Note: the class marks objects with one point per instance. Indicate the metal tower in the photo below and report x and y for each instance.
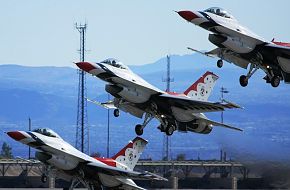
(166, 139)
(29, 129)
(223, 91)
(82, 132)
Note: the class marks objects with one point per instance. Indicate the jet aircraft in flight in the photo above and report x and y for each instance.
(71, 164)
(238, 45)
(174, 111)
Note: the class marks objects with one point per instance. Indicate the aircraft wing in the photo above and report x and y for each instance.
(208, 54)
(195, 105)
(225, 54)
(107, 105)
(278, 50)
(123, 173)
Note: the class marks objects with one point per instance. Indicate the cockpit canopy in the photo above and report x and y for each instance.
(115, 63)
(219, 11)
(46, 132)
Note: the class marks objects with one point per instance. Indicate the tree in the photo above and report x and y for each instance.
(6, 151)
(96, 154)
(180, 157)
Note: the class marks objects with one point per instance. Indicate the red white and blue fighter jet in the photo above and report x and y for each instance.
(70, 164)
(237, 44)
(174, 111)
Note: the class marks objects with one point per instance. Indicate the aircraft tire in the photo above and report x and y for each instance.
(116, 112)
(243, 81)
(275, 81)
(169, 130)
(139, 130)
(220, 63)
(43, 178)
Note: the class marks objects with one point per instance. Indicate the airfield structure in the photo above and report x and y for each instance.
(82, 131)
(166, 138)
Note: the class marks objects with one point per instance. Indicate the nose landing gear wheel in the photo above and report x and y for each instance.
(116, 112)
(243, 81)
(139, 130)
(43, 178)
(275, 81)
(169, 130)
(220, 63)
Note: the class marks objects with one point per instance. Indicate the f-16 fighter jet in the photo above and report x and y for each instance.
(132, 94)
(237, 44)
(94, 173)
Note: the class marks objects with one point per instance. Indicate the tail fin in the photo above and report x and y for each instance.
(130, 154)
(202, 88)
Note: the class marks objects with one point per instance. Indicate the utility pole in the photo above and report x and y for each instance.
(29, 129)
(166, 140)
(223, 91)
(82, 133)
(108, 131)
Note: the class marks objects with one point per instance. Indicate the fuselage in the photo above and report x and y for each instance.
(228, 31)
(122, 81)
(53, 150)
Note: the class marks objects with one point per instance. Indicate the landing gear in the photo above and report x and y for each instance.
(275, 81)
(220, 63)
(243, 81)
(169, 130)
(116, 112)
(43, 178)
(139, 128)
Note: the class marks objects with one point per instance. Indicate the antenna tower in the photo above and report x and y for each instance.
(82, 132)
(166, 139)
(223, 91)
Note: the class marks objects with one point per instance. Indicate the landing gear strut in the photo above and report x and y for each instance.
(244, 79)
(139, 128)
(220, 63)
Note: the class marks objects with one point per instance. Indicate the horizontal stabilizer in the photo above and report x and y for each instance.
(118, 172)
(231, 104)
(215, 123)
(107, 105)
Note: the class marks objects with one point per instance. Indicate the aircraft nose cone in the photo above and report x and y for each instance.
(187, 15)
(86, 66)
(16, 135)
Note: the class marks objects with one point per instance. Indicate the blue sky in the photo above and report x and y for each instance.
(41, 32)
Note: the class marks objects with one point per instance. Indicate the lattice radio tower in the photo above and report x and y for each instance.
(166, 139)
(82, 132)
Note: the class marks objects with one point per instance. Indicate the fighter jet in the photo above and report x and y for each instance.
(237, 44)
(92, 172)
(174, 111)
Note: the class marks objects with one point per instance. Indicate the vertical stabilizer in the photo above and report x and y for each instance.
(203, 87)
(130, 154)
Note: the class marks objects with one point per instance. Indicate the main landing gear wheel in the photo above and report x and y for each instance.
(243, 81)
(220, 63)
(139, 130)
(275, 81)
(169, 130)
(116, 112)
(43, 178)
